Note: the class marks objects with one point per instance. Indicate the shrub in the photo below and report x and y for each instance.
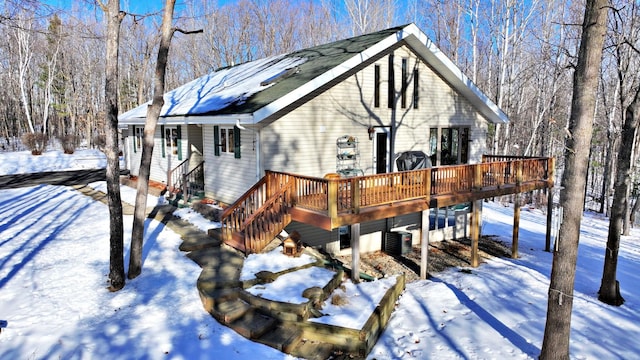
(69, 143)
(339, 300)
(36, 142)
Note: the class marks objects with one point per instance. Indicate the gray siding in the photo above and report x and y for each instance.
(227, 178)
(303, 141)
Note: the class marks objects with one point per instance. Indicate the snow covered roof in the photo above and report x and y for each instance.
(255, 90)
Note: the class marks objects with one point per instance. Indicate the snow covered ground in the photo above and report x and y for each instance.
(54, 261)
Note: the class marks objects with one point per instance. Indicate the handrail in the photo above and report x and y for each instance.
(233, 207)
(260, 228)
(496, 158)
(260, 211)
(193, 180)
(174, 177)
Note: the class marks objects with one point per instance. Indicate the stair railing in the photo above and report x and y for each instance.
(174, 176)
(259, 214)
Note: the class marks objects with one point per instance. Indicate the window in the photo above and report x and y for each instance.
(405, 79)
(171, 140)
(227, 140)
(416, 89)
(391, 96)
(449, 146)
(376, 86)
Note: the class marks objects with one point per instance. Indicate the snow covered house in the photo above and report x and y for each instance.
(349, 108)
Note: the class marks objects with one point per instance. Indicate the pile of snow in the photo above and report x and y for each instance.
(358, 301)
(289, 287)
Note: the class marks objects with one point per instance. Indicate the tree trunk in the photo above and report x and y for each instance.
(116, 258)
(153, 113)
(609, 288)
(557, 330)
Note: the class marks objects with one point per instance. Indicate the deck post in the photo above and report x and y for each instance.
(355, 253)
(424, 245)
(475, 232)
(550, 176)
(332, 195)
(516, 226)
(355, 195)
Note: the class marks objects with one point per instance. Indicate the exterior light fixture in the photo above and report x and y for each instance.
(371, 130)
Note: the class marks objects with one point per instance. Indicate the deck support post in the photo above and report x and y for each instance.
(475, 231)
(516, 226)
(446, 217)
(355, 253)
(547, 243)
(550, 179)
(424, 245)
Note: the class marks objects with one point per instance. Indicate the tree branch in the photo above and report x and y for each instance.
(187, 32)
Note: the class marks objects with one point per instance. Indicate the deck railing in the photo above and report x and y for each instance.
(352, 194)
(262, 212)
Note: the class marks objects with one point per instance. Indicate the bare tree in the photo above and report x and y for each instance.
(113, 17)
(625, 32)
(23, 38)
(557, 330)
(369, 15)
(153, 113)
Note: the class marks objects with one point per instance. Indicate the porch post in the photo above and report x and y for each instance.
(475, 232)
(424, 245)
(516, 226)
(355, 253)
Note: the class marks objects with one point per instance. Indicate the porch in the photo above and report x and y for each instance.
(278, 198)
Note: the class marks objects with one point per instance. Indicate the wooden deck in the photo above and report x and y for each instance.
(330, 202)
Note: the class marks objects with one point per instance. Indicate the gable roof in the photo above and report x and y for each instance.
(255, 90)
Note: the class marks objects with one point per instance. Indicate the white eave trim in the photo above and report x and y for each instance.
(244, 119)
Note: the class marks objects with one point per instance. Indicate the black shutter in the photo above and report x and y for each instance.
(216, 140)
(162, 140)
(236, 142)
(179, 134)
